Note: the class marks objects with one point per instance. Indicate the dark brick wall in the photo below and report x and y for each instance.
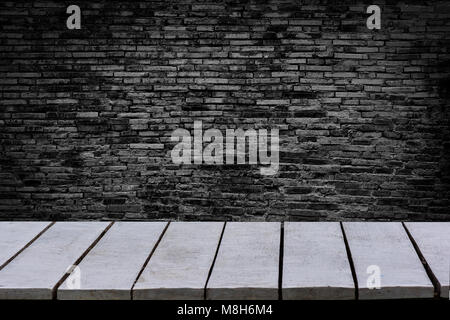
(86, 115)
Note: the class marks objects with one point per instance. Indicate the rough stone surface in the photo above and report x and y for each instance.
(86, 115)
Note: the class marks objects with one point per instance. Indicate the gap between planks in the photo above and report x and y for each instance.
(214, 260)
(27, 245)
(148, 259)
(430, 273)
(350, 261)
(77, 262)
(426, 266)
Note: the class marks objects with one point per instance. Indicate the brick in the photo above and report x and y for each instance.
(146, 146)
(86, 115)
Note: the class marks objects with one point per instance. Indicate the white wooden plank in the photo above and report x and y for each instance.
(179, 267)
(14, 236)
(386, 246)
(315, 262)
(34, 272)
(111, 267)
(433, 240)
(247, 263)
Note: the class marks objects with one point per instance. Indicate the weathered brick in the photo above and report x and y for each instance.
(86, 115)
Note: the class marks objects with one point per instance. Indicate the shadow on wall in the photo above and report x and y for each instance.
(363, 115)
